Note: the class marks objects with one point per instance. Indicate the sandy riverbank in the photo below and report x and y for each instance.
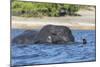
(85, 22)
(37, 25)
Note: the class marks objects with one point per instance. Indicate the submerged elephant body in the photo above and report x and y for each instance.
(48, 34)
(27, 37)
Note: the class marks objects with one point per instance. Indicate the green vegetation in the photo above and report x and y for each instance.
(34, 9)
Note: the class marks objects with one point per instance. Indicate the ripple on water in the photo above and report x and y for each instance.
(46, 53)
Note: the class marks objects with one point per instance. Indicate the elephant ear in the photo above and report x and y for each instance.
(43, 35)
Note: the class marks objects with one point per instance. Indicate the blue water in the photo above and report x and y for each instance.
(33, 54)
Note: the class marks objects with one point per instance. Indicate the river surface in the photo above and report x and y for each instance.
(34, 54)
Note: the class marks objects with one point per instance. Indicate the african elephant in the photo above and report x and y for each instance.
(53, 34)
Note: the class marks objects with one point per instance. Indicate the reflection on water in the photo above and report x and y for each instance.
(31, 54)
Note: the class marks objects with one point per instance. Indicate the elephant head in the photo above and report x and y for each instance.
(54, 34)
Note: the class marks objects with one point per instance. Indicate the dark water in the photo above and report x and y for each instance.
(33, 54)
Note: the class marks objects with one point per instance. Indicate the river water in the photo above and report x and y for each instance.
(34, 54)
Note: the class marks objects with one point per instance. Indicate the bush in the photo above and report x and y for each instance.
(33, 9)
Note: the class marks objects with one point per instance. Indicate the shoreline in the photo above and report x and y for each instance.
(39, 25)
(84, 22)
